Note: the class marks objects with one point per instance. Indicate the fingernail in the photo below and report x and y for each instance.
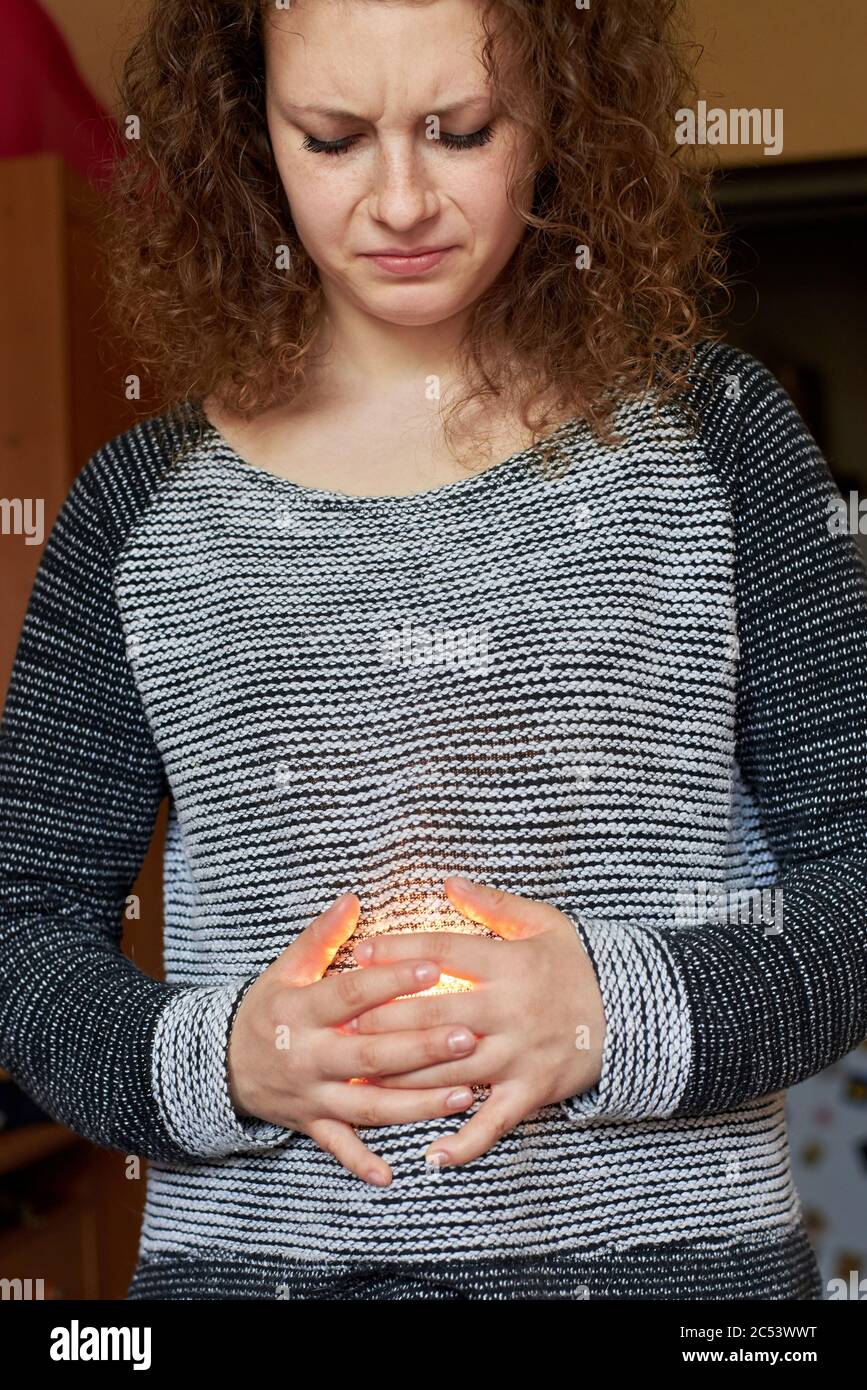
(462, 882)
(375, 1176)
(458, 1099)
(364, 950)
(459, 1040)
(351, 1026)
(427, 973)
(436, 1158)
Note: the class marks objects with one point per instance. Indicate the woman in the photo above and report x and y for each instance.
(474, 605)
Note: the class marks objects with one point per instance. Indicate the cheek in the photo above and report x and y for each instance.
(318, 200)
(486, 209)
(322, 199)
(479, 188)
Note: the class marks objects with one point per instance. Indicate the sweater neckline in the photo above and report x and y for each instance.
(220, 448)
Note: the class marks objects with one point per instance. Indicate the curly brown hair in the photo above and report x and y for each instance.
(197, 210)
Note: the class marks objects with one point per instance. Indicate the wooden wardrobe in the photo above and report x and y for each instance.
(69, 1214)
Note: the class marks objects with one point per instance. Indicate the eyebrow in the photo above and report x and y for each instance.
(340, 113)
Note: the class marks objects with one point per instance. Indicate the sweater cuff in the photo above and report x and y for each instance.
(648, 1038)
(191, 1076)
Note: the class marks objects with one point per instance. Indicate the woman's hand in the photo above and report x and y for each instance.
(291, 1062)
(535, 1005)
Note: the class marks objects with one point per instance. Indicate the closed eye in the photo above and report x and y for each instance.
(450, 142)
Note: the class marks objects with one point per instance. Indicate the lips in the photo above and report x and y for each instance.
(415, 262)
(396, 251)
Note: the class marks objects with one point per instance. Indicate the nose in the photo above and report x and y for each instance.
(402, 192)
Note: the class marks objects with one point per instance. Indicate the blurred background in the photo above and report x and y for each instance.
(69, 1212)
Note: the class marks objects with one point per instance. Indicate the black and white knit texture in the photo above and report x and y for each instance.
(667, 695)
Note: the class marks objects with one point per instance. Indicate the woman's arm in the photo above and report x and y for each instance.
(706, 1017)
(123, 1059)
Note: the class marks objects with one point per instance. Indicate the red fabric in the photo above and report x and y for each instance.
(45, 105)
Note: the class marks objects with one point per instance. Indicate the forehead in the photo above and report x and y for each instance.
(374, 53)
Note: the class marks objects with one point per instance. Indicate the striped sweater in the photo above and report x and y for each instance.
(633, 686)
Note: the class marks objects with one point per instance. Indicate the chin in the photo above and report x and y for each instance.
(413, 317)
(416, 306)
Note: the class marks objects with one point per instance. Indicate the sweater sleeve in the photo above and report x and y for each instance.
(126, 1061)
(718, 1012)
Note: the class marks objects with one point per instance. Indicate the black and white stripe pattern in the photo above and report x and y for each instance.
(663, 684)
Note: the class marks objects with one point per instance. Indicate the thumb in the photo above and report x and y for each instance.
(308, 957)
(507, 914)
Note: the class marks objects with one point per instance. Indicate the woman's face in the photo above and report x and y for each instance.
(402, 73)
